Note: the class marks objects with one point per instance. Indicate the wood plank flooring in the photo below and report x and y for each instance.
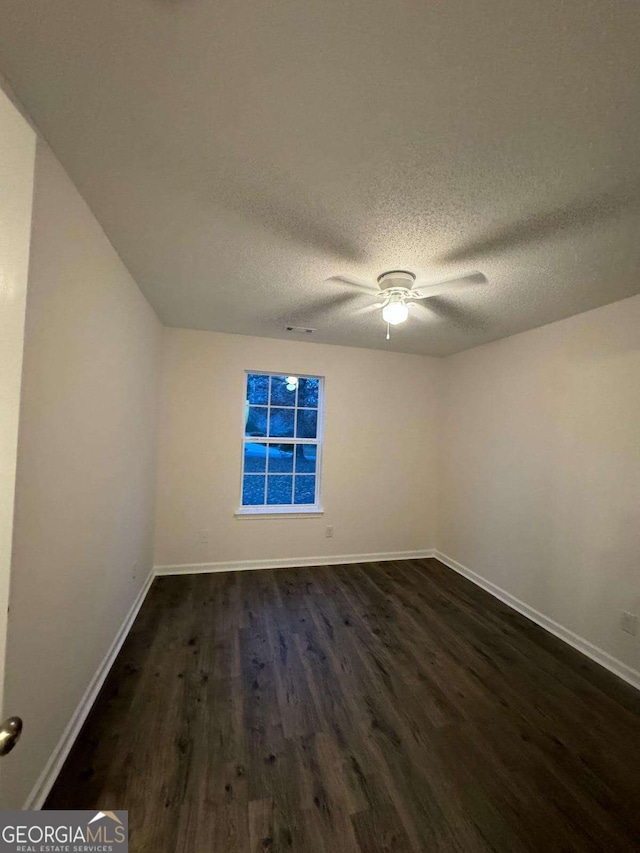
(380, 707)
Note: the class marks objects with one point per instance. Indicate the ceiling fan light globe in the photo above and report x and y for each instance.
(395, 313)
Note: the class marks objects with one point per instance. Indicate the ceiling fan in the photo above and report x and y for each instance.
(398, 289)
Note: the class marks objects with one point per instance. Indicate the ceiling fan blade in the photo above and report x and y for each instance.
(368, 309)
(354, 282)
(326, 307)
(420, 312)
(452, 313)
(449, 286)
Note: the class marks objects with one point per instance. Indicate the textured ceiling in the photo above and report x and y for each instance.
(240, 152)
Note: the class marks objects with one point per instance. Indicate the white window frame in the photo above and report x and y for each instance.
(289, 510)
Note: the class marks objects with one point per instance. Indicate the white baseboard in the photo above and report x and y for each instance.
(617, 667)
(41, 789)
(289, 563)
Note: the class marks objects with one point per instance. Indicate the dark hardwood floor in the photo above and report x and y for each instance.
(380, 707)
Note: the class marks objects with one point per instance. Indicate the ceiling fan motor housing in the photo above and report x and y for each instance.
(396, 280)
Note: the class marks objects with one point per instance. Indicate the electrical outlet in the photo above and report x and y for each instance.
(328, 532)
(629, 623)
(134, 569)
(203, 537)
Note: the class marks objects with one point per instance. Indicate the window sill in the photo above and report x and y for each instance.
(274, 512)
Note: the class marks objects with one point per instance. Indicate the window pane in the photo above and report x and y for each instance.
(305, 490)
(307, 423)
(255, 457)
(253, 490)
(258, 389)
(308, 392)
(306, 458)
(281, 423)
(256, 421)
(283, 393)
(279, 489)
(281, 458)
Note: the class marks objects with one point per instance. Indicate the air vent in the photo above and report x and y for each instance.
(300, 330)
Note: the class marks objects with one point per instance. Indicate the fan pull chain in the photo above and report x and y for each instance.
(388, 335)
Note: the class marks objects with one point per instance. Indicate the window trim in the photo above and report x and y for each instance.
(284, 510)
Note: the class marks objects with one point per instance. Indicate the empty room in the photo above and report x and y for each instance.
(319, 426)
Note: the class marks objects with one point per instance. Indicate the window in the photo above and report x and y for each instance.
(282, 443)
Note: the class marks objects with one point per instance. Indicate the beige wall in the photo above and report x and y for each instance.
(379, 464)
(86, 467)
(534, 480)
(17, 154)
(540, 470)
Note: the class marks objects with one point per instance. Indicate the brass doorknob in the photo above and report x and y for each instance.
(10, 732)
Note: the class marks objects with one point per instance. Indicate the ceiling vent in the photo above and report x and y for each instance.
(300, 330)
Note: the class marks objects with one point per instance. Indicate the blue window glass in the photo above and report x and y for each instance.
(257, 389)
(281, 423)
(279, 488)
(253, 490)
(281, 458)
(255, 457)
(308, 392)
(306, 458)
(307, 423)
(280, 461)
(283, 391)
(256, 421)
(305, 490)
